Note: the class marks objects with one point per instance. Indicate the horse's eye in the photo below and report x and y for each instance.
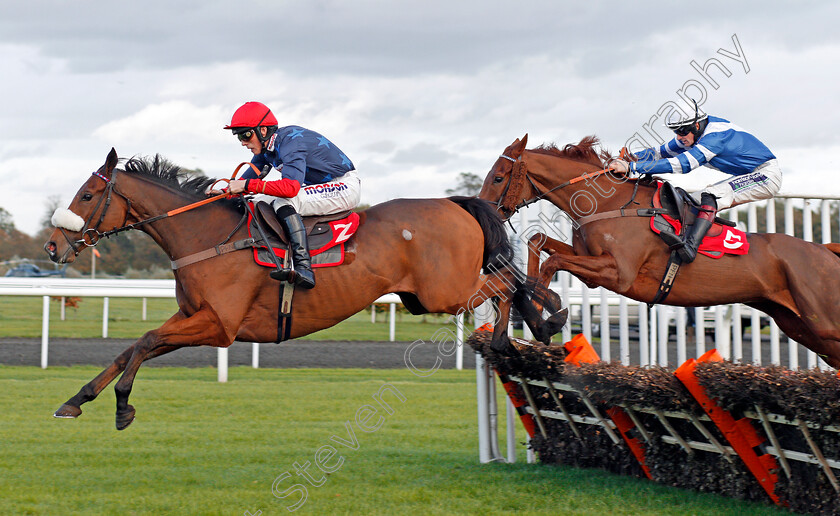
(86, 197)
(498, 179)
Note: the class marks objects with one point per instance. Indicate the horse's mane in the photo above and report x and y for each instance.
(585, 151)
(161, 171)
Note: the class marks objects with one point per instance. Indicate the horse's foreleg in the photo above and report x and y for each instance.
(72, 407)
(540, 242)
(500, 341)
(200, 329)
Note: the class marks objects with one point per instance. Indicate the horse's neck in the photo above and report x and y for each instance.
(190, 231)
(598, 195)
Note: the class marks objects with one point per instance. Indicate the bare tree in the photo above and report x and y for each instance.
(50, 205)
(6, 222)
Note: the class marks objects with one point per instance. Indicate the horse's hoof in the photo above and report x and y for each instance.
(556, 322)
(68, 412)
(504, 347)
(125, 418)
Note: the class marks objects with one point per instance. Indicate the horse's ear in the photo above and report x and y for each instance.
(518, 146)
(111, 162)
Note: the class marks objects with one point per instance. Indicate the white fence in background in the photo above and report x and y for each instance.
(107, 288)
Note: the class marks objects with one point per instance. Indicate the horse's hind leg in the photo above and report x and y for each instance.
(201, 329)
(827, 346)
(72, 407)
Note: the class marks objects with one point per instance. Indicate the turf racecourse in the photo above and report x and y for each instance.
(201, 447)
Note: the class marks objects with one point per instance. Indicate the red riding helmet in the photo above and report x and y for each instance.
(251, 115)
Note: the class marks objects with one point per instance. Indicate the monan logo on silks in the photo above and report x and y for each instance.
(270, 145)
(732, 241)
(327, 188)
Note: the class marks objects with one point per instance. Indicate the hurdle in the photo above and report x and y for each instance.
(703, 426)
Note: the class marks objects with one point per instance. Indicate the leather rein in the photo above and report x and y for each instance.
(621, 212)
(91, 236)
(540, 194)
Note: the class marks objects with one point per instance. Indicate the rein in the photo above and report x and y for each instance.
(541, 195)
(93, 233)
(621, 212)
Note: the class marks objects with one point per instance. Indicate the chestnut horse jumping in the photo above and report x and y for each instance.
(429, 251)
(795, 282)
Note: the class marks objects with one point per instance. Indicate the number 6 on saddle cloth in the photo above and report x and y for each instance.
(327, 235)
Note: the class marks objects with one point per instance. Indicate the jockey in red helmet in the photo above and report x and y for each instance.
(316, 178)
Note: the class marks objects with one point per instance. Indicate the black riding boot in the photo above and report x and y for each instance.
(702, 223)
(299, 247)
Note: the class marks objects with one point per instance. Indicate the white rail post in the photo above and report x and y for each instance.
(255, 355)
(700, 331)
(737, 341)
(808, 235)
(586, 312)
(775, 347)
(793, 346)
(664, 320)
(105, 303)
(392, 330)
(755, 336)
(222, 359)
(722, 335)
(45, 331)
(825, 213)
(459, 341)
(564, 293)
(144, 309)
(653, 333)
(623, 331)
(681, 351)
(644, 335)
(605, 326)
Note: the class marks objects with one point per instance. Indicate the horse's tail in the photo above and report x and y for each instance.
(530, 297)
(498, 251)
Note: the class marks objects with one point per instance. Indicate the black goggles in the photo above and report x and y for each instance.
(244, 136)
(684, 130)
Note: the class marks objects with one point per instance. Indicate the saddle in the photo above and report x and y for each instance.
(681, 210)
(326, 234)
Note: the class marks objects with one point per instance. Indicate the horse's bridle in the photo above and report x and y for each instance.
(521, 163)
(92, 235)
(95, 235)
(540, 195)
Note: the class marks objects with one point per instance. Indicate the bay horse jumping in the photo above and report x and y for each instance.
(429, 251)
(795, 282)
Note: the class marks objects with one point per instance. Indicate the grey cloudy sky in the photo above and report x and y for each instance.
(413, 92)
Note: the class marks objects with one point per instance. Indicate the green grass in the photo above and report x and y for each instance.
(201, 447)
(20, 316)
